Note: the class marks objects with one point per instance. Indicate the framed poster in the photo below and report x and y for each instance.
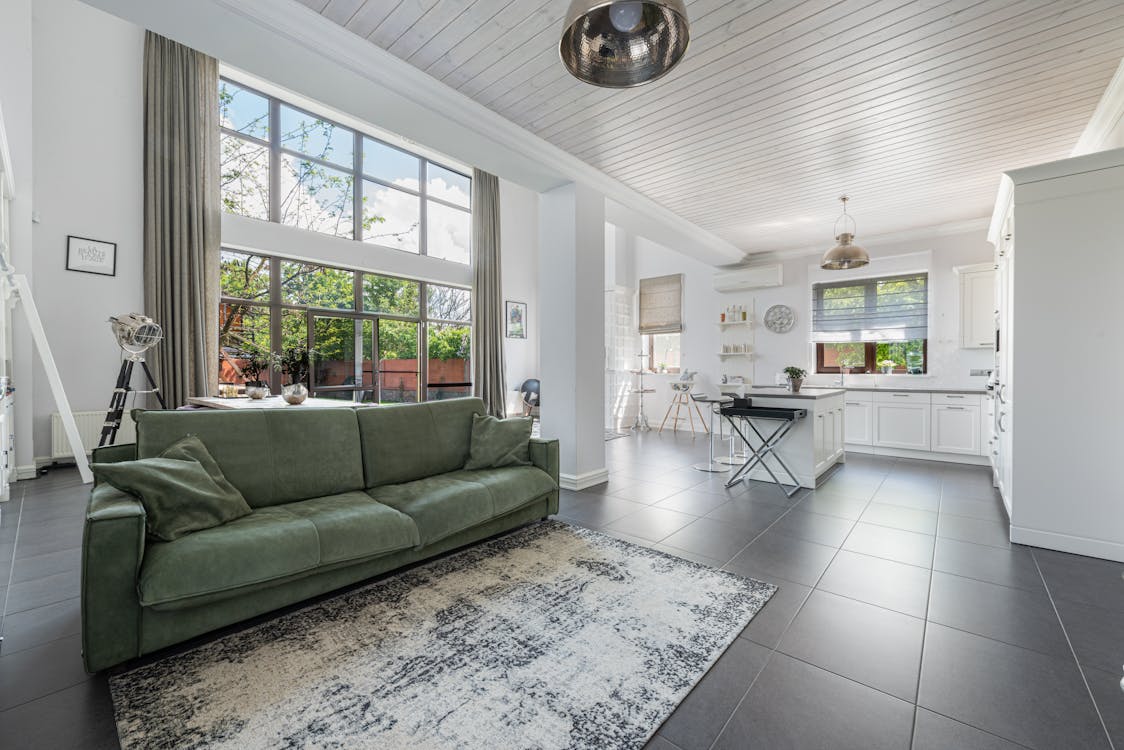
(516, 316)
(91, 256)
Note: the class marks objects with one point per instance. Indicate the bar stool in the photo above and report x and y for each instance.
(712, 402)
(680, 397)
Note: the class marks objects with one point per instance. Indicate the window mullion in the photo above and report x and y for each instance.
(274, 160)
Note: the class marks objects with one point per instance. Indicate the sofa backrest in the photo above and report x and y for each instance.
(404, 442)
(272, 456)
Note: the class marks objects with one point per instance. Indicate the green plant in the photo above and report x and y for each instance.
(295, 363)
(795, 373)
(257, 364)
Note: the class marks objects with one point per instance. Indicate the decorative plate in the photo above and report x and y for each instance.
(779, 318)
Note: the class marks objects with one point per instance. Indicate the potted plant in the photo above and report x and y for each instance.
(257, 364)
(795, 378)
(294, 364)
(887, 366)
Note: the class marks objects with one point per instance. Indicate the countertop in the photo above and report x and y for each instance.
(874, 389)
(767, 391)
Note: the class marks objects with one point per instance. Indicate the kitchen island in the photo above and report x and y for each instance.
(815, 443)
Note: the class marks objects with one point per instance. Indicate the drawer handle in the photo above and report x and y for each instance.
(1002, 427)
(953, 396)
(955, 408)
(854, 403)
(900, 395)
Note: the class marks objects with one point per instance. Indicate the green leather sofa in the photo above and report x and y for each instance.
(339, 495)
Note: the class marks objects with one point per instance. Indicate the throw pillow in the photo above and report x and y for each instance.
(499, 442)
(182, 490)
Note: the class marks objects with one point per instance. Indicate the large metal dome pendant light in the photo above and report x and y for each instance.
(846, 254)
(622, 43)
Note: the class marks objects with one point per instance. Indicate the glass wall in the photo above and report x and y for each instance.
(365, 329)
(280, 163)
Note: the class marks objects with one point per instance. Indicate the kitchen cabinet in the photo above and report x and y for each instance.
(956, 429)
(859, 419)
(1056, 230)
(828, 436)
(901, 420)
(977, 306)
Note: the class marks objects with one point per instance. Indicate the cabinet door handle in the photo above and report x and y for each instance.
(1000, 392)
(984, 343)
(1002, 427)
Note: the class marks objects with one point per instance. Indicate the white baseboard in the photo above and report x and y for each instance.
(27, 471)
(1076, 545)
(582, 481)
(955, 458)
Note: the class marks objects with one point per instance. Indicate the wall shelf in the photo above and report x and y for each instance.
(735, 354)
(732, 323)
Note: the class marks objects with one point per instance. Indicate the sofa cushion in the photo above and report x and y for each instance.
(272, 456)
(354, 525)
(496, 443)
(405, 442)
(511, 487)
(269, 543)
(439, 506)
(183, 490)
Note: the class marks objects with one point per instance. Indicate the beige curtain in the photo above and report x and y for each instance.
(181, 215)
(488, 376)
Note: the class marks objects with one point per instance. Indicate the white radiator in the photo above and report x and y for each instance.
(89, 429)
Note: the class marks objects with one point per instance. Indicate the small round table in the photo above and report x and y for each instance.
(712, 401)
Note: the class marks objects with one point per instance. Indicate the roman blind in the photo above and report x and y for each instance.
(890, 308)
(661, 304)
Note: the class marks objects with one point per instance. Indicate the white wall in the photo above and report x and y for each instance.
(519, 244)
(88, 173)
(948, 363)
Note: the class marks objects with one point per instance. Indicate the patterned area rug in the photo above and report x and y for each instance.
(551, 637)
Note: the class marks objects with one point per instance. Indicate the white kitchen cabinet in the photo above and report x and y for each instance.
(977, 306)
(901, 420)
(956, 429)
(859, 421)
(829, 436)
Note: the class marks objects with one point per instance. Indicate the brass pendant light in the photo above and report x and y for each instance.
(846, 254)
(623, 43)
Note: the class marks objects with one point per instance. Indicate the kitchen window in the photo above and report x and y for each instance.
(872, 325)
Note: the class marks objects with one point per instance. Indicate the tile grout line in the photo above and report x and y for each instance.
(11, 568)
(925, 625)
(1073, 652)
(813, 589)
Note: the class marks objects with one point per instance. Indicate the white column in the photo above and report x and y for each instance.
(572, 329)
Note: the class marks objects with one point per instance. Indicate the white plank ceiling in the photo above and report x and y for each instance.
(913, 108)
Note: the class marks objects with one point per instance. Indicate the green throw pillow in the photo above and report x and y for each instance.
(499, 442)
(183, 490)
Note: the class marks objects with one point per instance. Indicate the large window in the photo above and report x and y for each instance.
(283, 164)
(367, 329)
(872, 325)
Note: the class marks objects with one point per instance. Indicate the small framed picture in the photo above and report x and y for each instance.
(91, 256)
(516, 315)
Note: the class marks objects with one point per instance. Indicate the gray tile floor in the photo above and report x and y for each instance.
(904, 618)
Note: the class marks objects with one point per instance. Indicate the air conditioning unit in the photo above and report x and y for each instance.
(753, 277)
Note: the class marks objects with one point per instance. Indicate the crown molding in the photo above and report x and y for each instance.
(1107, 115)
(302, 26)
(906, 235)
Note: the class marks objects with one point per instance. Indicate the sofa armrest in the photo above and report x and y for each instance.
(111, 454)
(544, 454)
(112, 550)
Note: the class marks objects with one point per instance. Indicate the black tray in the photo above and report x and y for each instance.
(764, 412)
